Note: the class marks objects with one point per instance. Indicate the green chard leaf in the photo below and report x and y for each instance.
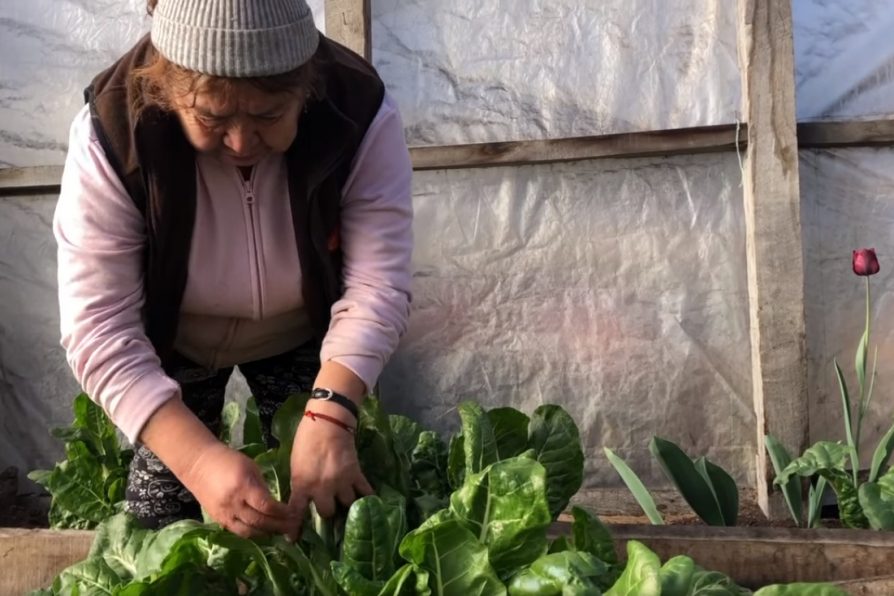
(641, 576)
(568, 573)
(373, 533)
(590, 535)
(510, 431)
(556, 442)
(505, 508)
(479, 443)
(457, 563)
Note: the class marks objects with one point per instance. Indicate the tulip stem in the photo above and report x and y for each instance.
(865, 396)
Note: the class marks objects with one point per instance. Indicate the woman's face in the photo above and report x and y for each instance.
(242, 128)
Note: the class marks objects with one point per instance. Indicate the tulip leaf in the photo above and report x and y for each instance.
(877, 501)
(882, 454)
(791, 490)
(725, 491)
(639, 491)
(815, 501)
(848, 424)
(682, 471)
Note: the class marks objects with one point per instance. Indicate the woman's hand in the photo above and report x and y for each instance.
(325, 468)
(231, 489)
(226, 483)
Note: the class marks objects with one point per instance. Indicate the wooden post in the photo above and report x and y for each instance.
(773, 235)
(349, 23)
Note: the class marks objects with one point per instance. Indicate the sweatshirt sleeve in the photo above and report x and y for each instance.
(100, 236)
(377, 244)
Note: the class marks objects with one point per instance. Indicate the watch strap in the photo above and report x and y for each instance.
(325, 394)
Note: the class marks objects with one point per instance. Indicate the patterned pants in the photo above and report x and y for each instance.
(154, 495)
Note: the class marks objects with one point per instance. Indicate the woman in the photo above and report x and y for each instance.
(236, 192)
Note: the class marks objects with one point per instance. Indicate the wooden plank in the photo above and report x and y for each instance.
(812, 135)
(773, 236)
(829, 135)
(349, 23)
(30, 559)
(703, 139)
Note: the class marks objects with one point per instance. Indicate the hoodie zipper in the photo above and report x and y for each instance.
(254, 253)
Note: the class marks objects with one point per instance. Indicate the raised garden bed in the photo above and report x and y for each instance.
(859, 559)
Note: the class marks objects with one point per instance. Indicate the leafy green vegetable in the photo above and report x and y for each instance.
(510, 431)
(568, 573)
(455, 560)
(877, 501)
(555, 439)
(88, 486)
(641, 576)
(505, 508)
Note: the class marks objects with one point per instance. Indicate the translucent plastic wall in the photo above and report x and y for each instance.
(845, 71)
(615, 288)
(470, 71)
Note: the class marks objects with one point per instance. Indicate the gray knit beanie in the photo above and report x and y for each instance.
(235, 38)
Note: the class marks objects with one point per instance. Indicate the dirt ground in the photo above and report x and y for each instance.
(20, 511)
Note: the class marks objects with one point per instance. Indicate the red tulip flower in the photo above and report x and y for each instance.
(865, 262)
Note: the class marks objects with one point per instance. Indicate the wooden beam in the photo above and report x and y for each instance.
(773, 236)
(830, 135)
(705, 139)
(33, 180)
(349, 23)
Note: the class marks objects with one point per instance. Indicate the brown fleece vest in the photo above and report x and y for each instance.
(156, 164)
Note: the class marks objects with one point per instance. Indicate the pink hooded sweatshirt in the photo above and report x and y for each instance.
(243, 298)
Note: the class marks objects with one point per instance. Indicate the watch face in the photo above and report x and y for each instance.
(321, 394)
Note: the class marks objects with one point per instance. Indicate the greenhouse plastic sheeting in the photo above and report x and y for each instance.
(614, 288)
(844, 59)
(848, 203)
(49, 52)
(36, 386)
(470, 71)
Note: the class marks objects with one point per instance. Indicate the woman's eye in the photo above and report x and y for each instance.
(270, 117)
(209, 121)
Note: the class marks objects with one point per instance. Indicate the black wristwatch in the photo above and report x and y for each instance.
(338, 398)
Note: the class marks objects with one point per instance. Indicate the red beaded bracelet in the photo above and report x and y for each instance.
(314, 415)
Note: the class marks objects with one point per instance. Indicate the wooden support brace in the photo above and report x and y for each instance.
(773, 235)
(349, 23)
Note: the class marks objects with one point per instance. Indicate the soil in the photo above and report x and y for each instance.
(21, 510)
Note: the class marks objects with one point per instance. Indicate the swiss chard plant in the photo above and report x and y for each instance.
(88, 486)
(706, 487)
(468, 516)
(861, 503)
